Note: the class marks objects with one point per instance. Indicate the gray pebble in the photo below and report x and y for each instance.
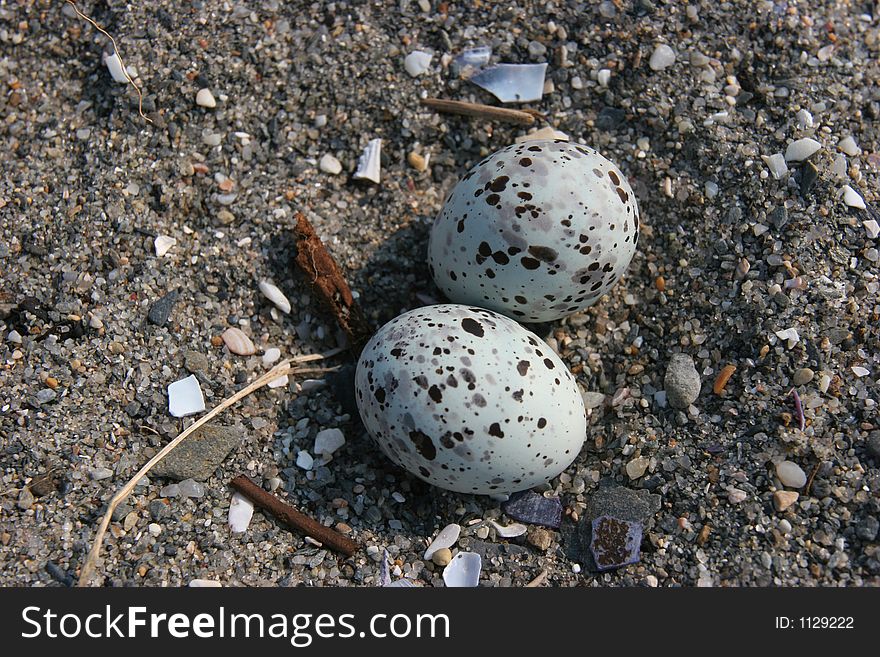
(682, 381)
(195, 362)
(200, 454)
(803, 376)
(161, 309)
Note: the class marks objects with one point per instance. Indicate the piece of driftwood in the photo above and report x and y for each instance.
(521, 117)
(329, 284)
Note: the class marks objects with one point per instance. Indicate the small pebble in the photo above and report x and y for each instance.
(636, 468)
(782, 499)
(872, 227)
(852, 198)
(204, 98)
(275, 295)
(163, 244)
(848, 145)
(191, 488)
(442, 557)
(237, 342)
(662, 57)
(682, 382)
(791, 474)
(540, 538)
(305, 460)
(100, 473)
(801, 149)
(736, 495)
(271, 355)
(417, 62)
(803, 376)
(776, 164)
(417, 162)
(329, 164)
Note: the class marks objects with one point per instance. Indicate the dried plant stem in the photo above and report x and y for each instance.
(119, 55)
(521, 117)
(284, 367)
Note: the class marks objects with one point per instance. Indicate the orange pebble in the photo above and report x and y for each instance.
(723, 377)
(660, 283)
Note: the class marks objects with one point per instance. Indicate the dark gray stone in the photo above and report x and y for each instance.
(534, 509)
(874, 444)
(161, 309)
(199, 455)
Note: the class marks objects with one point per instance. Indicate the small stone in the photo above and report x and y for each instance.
(100, 473)
(191, 488)
(163, 245)
(874, 444)
(195, 362)
(803, 376)
(329, 164)
(872, 227)
(237, 342)
(171, 490)
(25, 499)
(271, 355)
(776, 164)
(682, 382)
(801, 149)
(328, 441)
(201, 454)
(417, 162)
(305, 460)
(529, 507)
(280, 382)
(848, 145)
(540, 538)
(204, 98)
(154, 529)
(809, 176)
(636, 468)
(852, 198)
(275, 295)
(791, 474)
(130, 521)
(442, 557)
(662, 57)
(185, 397)
(241, 510)
(839, 167)
(615, 542)
(46, 395)
(537, 50)
(603, 77)
(782, 499)
(417, 62)
(736, 495)
(160, 311)
(205, 584)
(804, 119)
(860, 371)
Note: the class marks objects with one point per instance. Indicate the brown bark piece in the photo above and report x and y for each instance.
(329, 284)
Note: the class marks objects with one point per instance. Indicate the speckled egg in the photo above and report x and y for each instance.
(469, 400)
(537, 231)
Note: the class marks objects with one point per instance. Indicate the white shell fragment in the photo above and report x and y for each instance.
(849, 146)
(872, 227)
(776, 164)
(237, 342)
(185, 397)
(204, 98)
(445, 539)
(271, 355)
(510, 531)
(463, 570)
(163, 244)
(276, 296)
(790, 335)
(241, 510)
(851, 197)
(417, 62)
(205, 584)
(281, 382)
(662, 57)
(114, 65)
(305, 460)
(328, 441)
(800, 150)
(860, 371)
(513, 83)
(369, 163)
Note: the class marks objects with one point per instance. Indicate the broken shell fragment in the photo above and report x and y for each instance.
(369, 163)
(510, 531)
(185, 397)
(237, 342)
(445, 539)
(114, 65)
(513, 83)
(463, 570)
(241, 510)
(276, 296)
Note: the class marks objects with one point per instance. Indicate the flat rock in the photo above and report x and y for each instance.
(198, 456)
(682, 381)
(161, 309)
(614, 542)
(195, 362)
(529, 507)
(791, 474)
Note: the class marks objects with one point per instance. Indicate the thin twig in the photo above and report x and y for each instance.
(521, 117)
(540, 579)
(121, 62)
(284, 367)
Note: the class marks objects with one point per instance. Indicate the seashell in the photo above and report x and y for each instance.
(163, 244)
(271, 355)
(237, 342)
(463, 570)
(114, 65)
(185, 397)
(368, 167)
(328, 441)
(241, 510)
(513, 83)
(281, 382)
(417, 62)
(205, 584)
(276, 296)
(801, 149)
(851, 197)
(445, 539)
(510, 531)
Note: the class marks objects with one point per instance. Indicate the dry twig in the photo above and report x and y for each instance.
(522, 117)
(284, 367)
(119, 55)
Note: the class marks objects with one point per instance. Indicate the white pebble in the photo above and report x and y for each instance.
(860, 371)
(204, 98)
(804, 119)
(241, 510)
(271, 355)
(205, 584)
(851, 197)
(801, 149)
(776, 164)
(114, 65)
(711, 189)
(848, 145)
(237, 342)
(276, 296)
(603, 77)
(791, 474)
(329, 164)
(872, 227)
(662, 57)
(305, 460)
(154, 529)
(328, 441)
(838, 167)
(417, 62)
(790, 335)
(281, 382)
(185, 397)
(163, 244)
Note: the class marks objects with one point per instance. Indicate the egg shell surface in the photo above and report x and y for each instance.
(470, 401)
(537, 231)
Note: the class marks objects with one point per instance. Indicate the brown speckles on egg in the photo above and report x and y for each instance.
(473, 327)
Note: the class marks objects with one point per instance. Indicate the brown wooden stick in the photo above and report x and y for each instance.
(506, 114)
(293, 518)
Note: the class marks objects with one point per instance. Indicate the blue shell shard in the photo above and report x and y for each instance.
(534, 509)
(513, 83)
(615, 542)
